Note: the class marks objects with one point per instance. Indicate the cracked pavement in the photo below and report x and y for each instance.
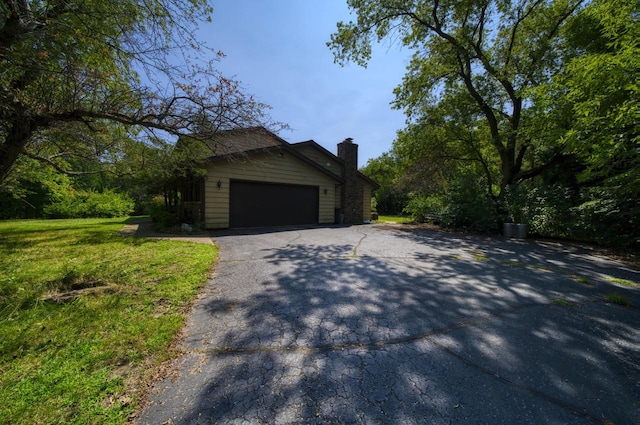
(386, 324)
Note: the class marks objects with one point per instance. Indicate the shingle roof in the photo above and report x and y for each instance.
(325, 152)
(253, 140)
(240, 141)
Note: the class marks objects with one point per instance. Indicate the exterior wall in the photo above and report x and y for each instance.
(366, 202)
(321, 159)
(267, 167)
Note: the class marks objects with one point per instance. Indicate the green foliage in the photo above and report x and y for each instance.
(425, 208)
(604, 215)
(374, 204)
(163, 216)
(471, 78)
(28, 190)
(546, 209)
(90, 79)
(623, 282)
(616, 298)
(603, 89)
(605, 218)
(524, 111)
(81, 360)
(390, 197)
(390, 200)
(467, 206)
(563, 302)
(72, 204)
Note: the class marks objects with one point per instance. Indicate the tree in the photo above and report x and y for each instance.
(602, 89)
(592, 108)
(486, 54)
(386, 170)
(448, 138)
(83, 78)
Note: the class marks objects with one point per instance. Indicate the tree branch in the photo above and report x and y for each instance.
(60, 169)
(557, 159)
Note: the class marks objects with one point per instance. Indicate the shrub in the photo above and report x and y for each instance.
(64, 205)
(74, 204)
(390, 200)
(594, 214)
(425, 208)
(374, 204)
(467, 206)
(601, 218)
(163, 217)
(545, 209)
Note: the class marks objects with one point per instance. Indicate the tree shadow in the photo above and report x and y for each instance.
(425, 336)
(557, 256)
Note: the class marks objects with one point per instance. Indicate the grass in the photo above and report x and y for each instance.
(397, 219)
(86, 315)
(583, 280)
(623, 282)
(563, 302)
(615, 298)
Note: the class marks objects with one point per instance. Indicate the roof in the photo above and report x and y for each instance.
(328, 154)
(229, 144)
(243, 140)
(319, 148)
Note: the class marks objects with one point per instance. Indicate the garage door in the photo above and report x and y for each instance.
(253, 204)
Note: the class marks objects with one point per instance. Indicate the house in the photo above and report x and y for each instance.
(257, 179)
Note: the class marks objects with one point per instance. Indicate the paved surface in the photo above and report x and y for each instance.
(387, 325)
(144, 229)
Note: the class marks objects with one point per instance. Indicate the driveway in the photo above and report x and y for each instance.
(396, 325)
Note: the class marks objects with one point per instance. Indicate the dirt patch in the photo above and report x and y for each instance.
(78, 289)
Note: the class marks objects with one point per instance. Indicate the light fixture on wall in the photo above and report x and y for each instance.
(219, 184)
(325, 191)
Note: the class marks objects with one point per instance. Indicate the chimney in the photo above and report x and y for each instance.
(352, 189)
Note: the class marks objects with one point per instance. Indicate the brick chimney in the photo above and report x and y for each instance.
(352, 189)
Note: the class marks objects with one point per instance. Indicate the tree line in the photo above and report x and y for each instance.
(522, 111)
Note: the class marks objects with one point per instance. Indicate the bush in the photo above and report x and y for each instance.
(374, 204)
(592, 214)
(163, 217)
(74, 204)
(467, 206)
(545, 209)
(604, 218)
(425, 208)
(390, 200)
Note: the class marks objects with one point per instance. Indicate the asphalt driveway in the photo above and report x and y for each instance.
(393, 325)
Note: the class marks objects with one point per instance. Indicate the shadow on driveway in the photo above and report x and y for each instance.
(410, 327)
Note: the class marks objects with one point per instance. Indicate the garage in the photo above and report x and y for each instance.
(257, 204)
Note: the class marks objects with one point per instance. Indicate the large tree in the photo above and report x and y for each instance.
(80, 77)
(473, 58)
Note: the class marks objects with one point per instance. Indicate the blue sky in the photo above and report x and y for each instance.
(277, 49)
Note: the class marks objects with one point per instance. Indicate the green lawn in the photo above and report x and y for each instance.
(398, 219)
(86, 315)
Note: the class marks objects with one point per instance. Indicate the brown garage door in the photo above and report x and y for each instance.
(253, 204)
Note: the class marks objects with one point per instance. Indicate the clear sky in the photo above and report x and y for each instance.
(277, 50)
